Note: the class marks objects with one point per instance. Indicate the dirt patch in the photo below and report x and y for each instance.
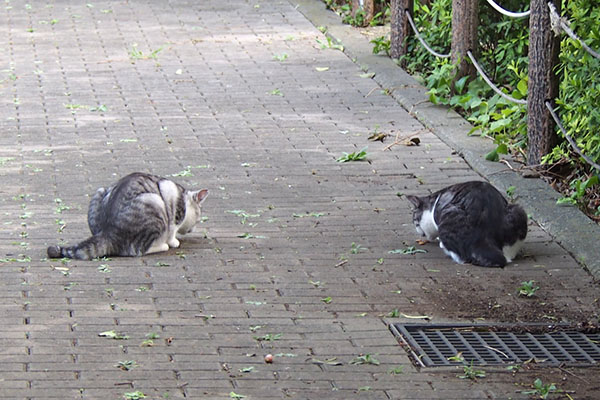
(462, 299)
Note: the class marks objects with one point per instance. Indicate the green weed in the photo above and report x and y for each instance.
(381, 45)
(137, 395)
(528, 288)
(407, 250)
(469, 372)
(365, 359)
(126, 365)
(136, 54)
(355, 156)
(540, 389)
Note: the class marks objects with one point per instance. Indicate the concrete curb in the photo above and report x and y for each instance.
(567, 225)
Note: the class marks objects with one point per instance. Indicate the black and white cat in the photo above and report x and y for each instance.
(138, 215)
(473, 222)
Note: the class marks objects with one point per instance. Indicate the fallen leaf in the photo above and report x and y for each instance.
(378, 136)
(408, 250)
(113, 335)
(412, 142)
(328, 361)
(322, 69)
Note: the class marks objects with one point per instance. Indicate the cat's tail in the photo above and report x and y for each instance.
(93, 247)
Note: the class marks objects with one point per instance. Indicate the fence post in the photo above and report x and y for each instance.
(400, 29)
(465, 18)
(544, 49)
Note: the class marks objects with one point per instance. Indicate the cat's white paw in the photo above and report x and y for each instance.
(173, 243)
(157, 248)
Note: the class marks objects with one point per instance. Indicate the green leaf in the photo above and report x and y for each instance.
(522, 87)
(113, 335)
(162, 264)
(137, 395)
(268, 337)
(355, 156)
(329, 361)
(492, 156)
(365, 359)
(280, 57)
(459, 85)
(126, 365)
(566, 201)
(100, 108)
(408, 250)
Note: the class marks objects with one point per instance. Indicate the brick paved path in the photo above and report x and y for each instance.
(293, 258)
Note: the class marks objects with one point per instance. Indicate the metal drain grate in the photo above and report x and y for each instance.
(482, 344)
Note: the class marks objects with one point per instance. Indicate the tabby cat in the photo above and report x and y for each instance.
(473, 222)
(138, 215)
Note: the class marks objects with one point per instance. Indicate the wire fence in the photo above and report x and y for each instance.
(508, 13)
(423, 42)
(558, 24)
(489, 81)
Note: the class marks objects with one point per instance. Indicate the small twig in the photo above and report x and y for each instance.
(389, 91)
(510, 167)
(124, 384)
(500, 171)
(508, 164)
(496, 350)
(341, 263)
(418, 103)
(395, 143)
(371, 91)
(403, 139)
(572, 374)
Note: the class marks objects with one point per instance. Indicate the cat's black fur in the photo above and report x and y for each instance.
(473, 221)
(140, 214)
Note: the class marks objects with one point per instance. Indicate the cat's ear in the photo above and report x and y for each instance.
(414, 200)
(200, 195)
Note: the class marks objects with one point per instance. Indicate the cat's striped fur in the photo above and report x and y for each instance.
(140, 214)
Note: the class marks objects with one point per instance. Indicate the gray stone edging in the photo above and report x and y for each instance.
(567, 225)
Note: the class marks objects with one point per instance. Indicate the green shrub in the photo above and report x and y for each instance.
(579, 98)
